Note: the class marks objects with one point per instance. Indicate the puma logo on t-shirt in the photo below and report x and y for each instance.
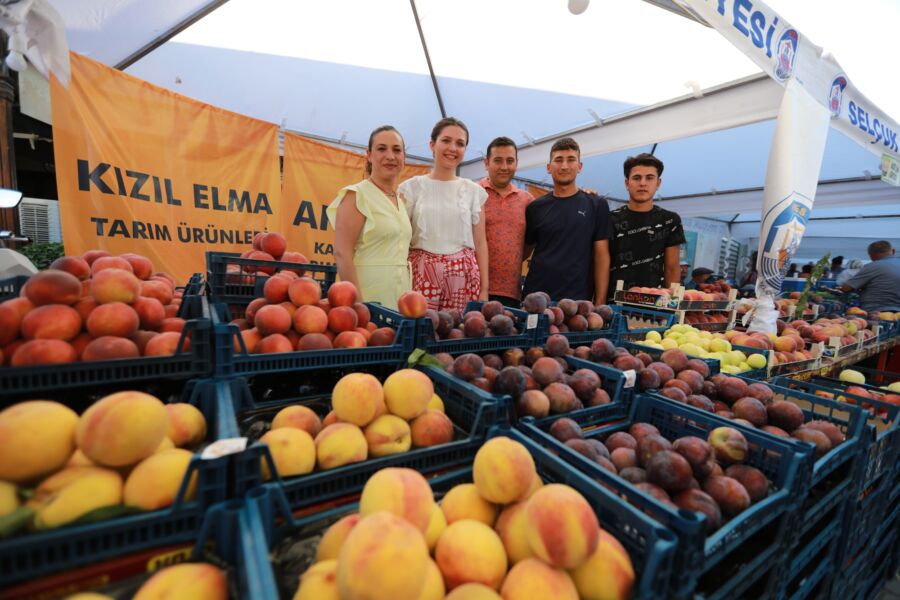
(582, 213)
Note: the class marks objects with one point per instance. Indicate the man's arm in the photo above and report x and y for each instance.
(859, 280)
(601, 270)
(672, 268)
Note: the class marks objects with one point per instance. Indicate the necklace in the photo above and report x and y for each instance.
(383, 191)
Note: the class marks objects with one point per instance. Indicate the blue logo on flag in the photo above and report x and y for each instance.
(782, 238)
(786, 51)
(836, 96)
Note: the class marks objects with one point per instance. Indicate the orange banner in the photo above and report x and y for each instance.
(142, 169)
(313, 174)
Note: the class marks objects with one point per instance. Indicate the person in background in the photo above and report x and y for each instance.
(698, 276)
(852, 269)
(449, 253)
(504, 216)
(371, 227)
(806, 271)
(878, 283)
(568, 230)
(749, 278)
(836, 267)
(684, 270)
(646, 240)
(792, 271)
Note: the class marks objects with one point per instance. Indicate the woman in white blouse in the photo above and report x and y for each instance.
(448, 252)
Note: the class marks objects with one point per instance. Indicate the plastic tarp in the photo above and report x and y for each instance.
(527, 69)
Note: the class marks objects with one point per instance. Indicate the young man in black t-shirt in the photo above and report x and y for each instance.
(646, 238)
(569, 232)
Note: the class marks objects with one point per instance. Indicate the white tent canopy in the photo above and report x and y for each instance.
(624, 77)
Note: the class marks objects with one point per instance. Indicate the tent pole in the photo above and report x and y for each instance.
(9, 217)
(437, 91)
(168, 35)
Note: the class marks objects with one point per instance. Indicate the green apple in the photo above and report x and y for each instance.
(653, 336)
(895, 387)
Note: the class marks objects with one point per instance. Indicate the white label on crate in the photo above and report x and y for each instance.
(221, 448)
(531, 322)
(630, 377)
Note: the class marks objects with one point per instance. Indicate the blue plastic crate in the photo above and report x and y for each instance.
(533, 332)
(747, 549)
(650, 546)
(34, 555)
(881, 440)
(229, 363)
(240, 285)
(20, 382)
(812, 563)
(11, 286)
(874, 379)
(472, 411)
(654, 320)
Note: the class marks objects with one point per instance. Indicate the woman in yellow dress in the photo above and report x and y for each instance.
(371, 227)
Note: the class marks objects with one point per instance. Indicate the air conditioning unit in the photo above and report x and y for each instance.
(39, 220)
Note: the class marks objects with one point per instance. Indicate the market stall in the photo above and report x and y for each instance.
(224, 417)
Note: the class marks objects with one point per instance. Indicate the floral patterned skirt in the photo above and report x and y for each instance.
(447, 281)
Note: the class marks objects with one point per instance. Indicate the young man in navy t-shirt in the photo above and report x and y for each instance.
(569, 231)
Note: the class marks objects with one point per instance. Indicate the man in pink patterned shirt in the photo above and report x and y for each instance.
(504, 212)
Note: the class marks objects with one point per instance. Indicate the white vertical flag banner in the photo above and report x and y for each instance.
(791, 179)
(785, 54)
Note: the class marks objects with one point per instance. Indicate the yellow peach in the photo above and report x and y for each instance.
(561, 526)
(121, 429)
(187, 425)
(511, 528)
(37, 437)
(503, 470)
(533, 578)
(72, 493)
(464, 502)
(334, 536)
(608, 574)
(356, 398)
(155, 481)
(436, 526)
(340, 444)
(407, 393)
(471, 552)
(388, 435)
(299, 417)
(292, 450)
(383, 557)
(434, 583)
(194, 581)
(473, 591)
(399, 491)
(319, 582)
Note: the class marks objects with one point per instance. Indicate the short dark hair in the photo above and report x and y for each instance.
(447, 122)
(500, 142)
(643, 160)
(837, 260)
(880, 247)
(565, 143)
(372, 135)
(807, 268)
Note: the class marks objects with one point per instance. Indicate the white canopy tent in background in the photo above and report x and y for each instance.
(624, 75)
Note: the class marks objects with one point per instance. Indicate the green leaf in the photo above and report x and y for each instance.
(420, 357)
(15, 521)
(106, 512)
(816, 274)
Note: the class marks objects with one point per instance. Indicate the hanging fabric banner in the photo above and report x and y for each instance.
(785, 54)
(791, 179)
(314, 172)
(145, 170)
